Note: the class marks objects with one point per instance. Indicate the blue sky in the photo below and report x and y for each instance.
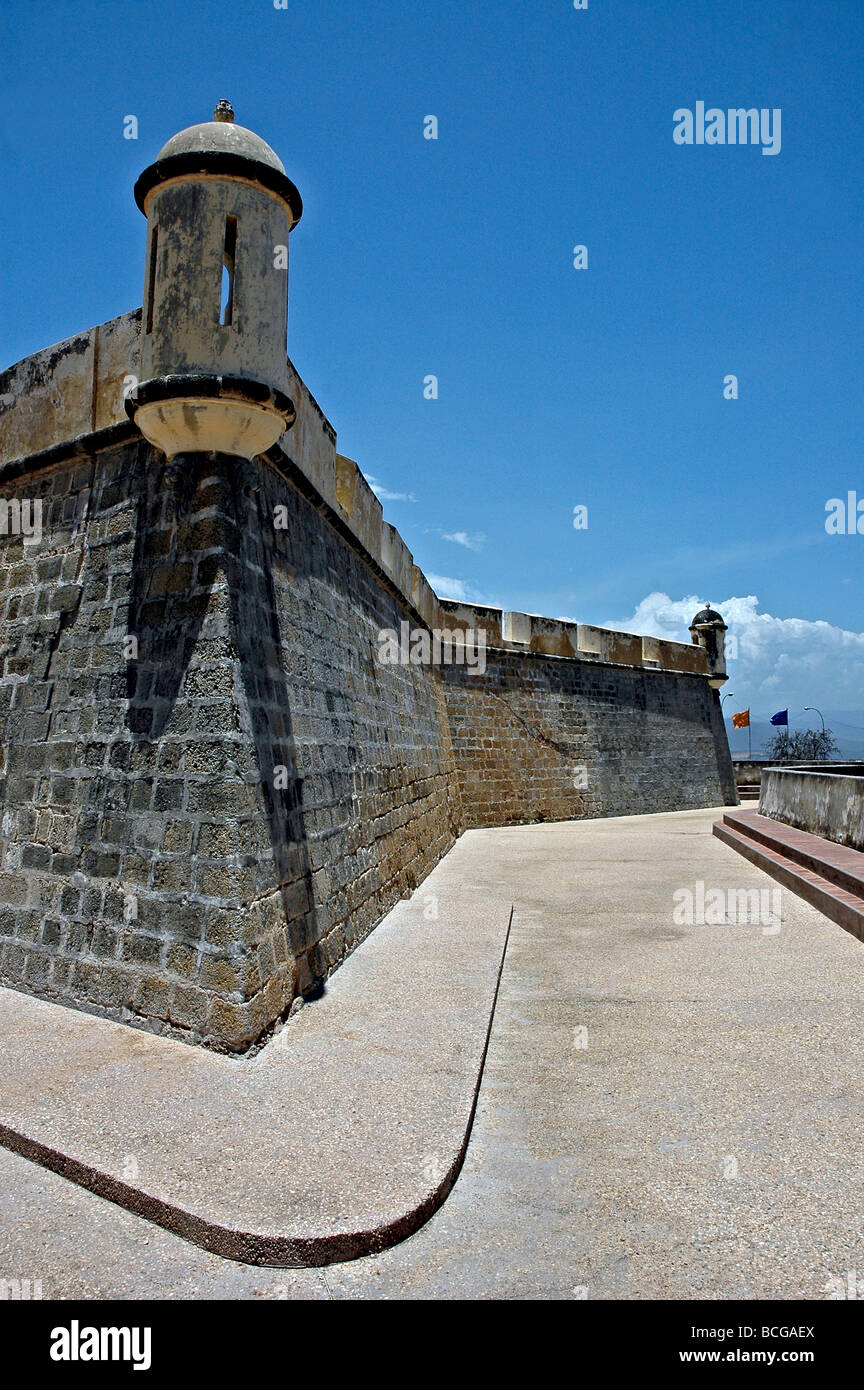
(558, 387)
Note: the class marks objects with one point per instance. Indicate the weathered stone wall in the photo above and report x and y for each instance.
(826, 801)
(191, 836)
(543, 738)
(195, 831)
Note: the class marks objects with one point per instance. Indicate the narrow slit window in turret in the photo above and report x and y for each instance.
(226, 315)
(151, 283)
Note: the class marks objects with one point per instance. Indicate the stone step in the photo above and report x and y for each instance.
(838, 863)
(828, 876)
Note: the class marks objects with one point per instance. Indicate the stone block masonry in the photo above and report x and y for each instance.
(544, 739)
(210, 789)
(199, 827)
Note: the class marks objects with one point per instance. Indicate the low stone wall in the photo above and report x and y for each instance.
(830, 804)
(750, 769)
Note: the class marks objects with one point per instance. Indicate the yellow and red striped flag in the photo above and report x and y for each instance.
(742, 720)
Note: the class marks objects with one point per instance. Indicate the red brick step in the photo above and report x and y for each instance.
(827, 875)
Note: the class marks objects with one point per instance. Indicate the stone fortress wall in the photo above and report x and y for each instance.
(194, 833)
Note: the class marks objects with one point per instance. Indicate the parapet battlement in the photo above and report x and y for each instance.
(70, 399)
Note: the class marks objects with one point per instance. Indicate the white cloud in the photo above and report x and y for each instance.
(470, 542)
(452, 588)
(793, 661)
(384, 494)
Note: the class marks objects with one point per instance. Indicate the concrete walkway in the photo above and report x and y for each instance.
(668, 1109)
(339, 1137)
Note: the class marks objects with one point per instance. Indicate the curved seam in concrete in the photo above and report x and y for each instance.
(247, 1246)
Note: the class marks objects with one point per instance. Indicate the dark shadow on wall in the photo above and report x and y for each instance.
(254, 613)
(170, 583)
(200, 517)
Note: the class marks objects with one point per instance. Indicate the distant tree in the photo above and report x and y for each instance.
(805, 745)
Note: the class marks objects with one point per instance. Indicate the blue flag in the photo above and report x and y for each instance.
(781, 717)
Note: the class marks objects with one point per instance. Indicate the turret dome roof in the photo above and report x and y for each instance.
(708, 616)
(220, 148)
(222, 137)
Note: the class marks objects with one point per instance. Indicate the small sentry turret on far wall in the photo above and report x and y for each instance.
(708, 630)
(213, 372)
